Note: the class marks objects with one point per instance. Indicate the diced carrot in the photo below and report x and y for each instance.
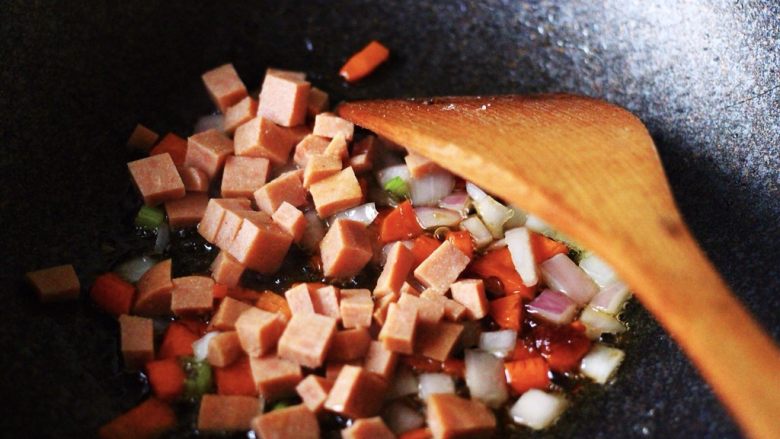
(544, 248)
(507, 311)
(530, 373)
(422, 247)
(177, 341)
(235, 379)
(400, 224)
(272, 302)
(462, 240)
(196, 326)
(364, 62)
(112, 294)
(220, 291)
(419, 433)
(148, 420)
(562, 346)
(521, 351)
(454, 367)
(498, 264)
(173, 145)
(166, 378)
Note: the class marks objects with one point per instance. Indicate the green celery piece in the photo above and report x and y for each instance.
(397, 187)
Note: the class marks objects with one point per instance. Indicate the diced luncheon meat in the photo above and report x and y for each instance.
(275, 377)
(55, 284)
(436, 341)
(306, 339)
(380, 360)
(224, 86)
(226, 412)
(338, 192)
(287, 187)
(258, 331)
(142, 138)
(308, 147)
(320, 167)
(215, 213)
(291, 422)
(370, 428)
(349, 345)
(291, 220)
(228, 312)
(157, 179)
(356, 308)
(260, 244)
(420, 166)
(226, 270)
(148, 420)
(224, 349)
(381, 305)
(192, 295)
(450, 416)
(345, 249)
(397, 267)
(187, 211)
(284, 98)
(262, 138)
(326, 301)
(194, 179)
(428, 311)
(453, 311)
(243, 176)
(362, 159)
(399, 330)
(337, 147)
(318, 102)
(154, 291)
(230, 225)
(137, 340)
(240, 113)
(329, 125)
(442, 267)
(299, 298)
(354, 394)
(471, 294)
(208, 151)
(313, 391)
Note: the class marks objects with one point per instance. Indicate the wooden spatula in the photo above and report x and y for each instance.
(590, 170)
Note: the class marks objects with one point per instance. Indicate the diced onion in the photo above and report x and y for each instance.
(495, 245)
(553, 306)
(611, 298)
(200, 347)
(389, 173)
(517, 219)
(597, 323)
(404, 383)
(433, 217)
(457, 201)
(493, 213)
(538, 409)
(485, 378)
(163, 238)
(132, 270)
(434, 383)
(498, 343)
(601, 363)
(479, 233)
(430, 188)
(401, 418)
(598, 270)
(205, 123)
(562, 274)
(365, 213)
(536, 224)
(314, 231)
(475, 192)
(519, 242)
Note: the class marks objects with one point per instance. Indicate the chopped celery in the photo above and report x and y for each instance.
(149, 217)
(397, 187)
(198, 380)
(280, 405)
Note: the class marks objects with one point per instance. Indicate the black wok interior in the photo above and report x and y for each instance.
(77, 76)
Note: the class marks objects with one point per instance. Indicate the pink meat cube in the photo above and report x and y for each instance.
(362, 159)
(309, 146)
(143, 138)
(306, 339)
(381, 305)
(453, 310)
(154, 291)
(371, 428)
(194, 179)
(215, 212)
(408, 288)
(228, 312)
(224, 86)
(398, 332)
(337, 147)
(420, 166)
(157, 179)
(450, 416)
(286, 187)
(336, 193)
(284, 98)
(330, 125)
(187, 211)
(397, 267)
(226, 270)
(136, 340)
(287, 423)
(356, 308)
(471, 293)
(224, 349)
(326, 301)
(208, 151)
(275, 377)
(314, 390)
(291, 220)
(442, 267)
(345, 249)
(226, 412)
(349, 345)
(239, 114)
(301, 76)
(192, 295)
(260, 244)
(436, 341)
(230, 225)
(299, 298)
(428, 311)
(379, 360)
(55, 284)
(243, 176)
(318, 101)
(258, 330)
(356, 393)
(262, 138)
(320, 167)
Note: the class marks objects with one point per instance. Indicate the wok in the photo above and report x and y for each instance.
(76, 77)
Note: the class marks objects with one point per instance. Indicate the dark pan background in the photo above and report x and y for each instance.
(75, 77)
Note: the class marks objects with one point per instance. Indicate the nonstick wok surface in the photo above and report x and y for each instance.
(76, 77)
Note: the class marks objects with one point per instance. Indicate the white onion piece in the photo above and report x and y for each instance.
(433, 217)
(493, 213)
(519, 242)
(401, 418)
(495, 245)
(434, 383)
(475, 192)
(200, 347)
(205, 123)
(517, 219)
(597, 323)
(601, 363)
(163, 238)
(536, 224)
(429, 189)
(457, 201)
(598, 270)
(611, 298)
(389, 173)
(554, 307)
(498, 343)
(132, 269)
(404, 383)
(365, 213)
(538, 409)
(562, 274)
(479, 233)
(314, 231)
(485, 378)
